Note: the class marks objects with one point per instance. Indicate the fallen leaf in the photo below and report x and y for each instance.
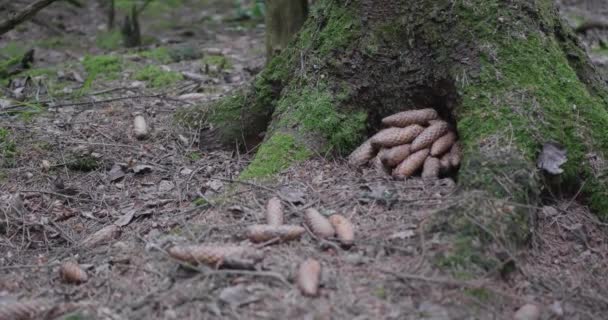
(552, 157)
(126, 218)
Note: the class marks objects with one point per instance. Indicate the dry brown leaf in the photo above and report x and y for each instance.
(274, 212)
(406, 118)
(396, 136)
(430, 135)
(309, 277)
(431, 167)
(409, 166)
(362, 155)
(443, 144)
(60, 212)
(319, 224)
(103, 236)
(263, 233)
(344, 229)
(217, 255)
(71, 272)
(395, 155)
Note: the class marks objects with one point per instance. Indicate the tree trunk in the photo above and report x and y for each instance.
(283, 20)
(508, 74)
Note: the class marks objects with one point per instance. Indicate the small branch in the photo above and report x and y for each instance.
(23, 15)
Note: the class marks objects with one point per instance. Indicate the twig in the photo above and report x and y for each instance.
(23, 15)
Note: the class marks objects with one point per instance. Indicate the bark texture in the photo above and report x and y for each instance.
(283, 20)
(508, 74)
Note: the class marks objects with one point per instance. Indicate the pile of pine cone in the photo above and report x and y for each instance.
(416, 141)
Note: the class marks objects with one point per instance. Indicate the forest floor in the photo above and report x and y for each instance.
(70, 155)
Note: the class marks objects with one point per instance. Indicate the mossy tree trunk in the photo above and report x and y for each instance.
(283, 20)
(509, 74)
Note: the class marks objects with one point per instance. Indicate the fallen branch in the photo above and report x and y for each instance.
(23, 15)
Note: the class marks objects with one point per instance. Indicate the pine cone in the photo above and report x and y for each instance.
(344, 229)
(409, 166)
(445, 164)
(430, 169)
(443, 144)
(396, 136)
(362, 155)
(319, 225)
(430, 135)
(456, 155)
(213, 255)
(262, 233)
(379, 166)
(395, 155)
(309, 277)
(406, 118)
(102, 236)
(274, 212)
(71, 272)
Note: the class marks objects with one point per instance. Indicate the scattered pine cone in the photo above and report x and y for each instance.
(416, 141)
(344, 229)
(309, 277)
(215, 255)
(319, 224)
(71, 272)
(274, 212)
(262, 233)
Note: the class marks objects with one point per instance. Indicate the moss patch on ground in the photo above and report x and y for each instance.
(157, 77)
(315, 111)
(275, 155)
(219, 61)
(109, 40)
(8, 148)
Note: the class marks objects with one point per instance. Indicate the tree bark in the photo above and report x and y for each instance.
(283, 20)
(509, 75)
(21, 16)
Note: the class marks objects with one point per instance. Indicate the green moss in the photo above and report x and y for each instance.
(109, 40)
(315, 111)
(275, 155)
(157, 77)
(338, 28)
(218, 61)
(527, 84)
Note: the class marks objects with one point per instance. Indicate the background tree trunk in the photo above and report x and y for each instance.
(508, 74)
(283, 20)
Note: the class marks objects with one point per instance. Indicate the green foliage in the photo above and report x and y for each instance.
(8, 148)
(160, 54)
(109, 40)
(157, 77)
(340, 29)
(83, 163)
(108, 66)
(12, 50)
(256, 10)
(275, 155)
